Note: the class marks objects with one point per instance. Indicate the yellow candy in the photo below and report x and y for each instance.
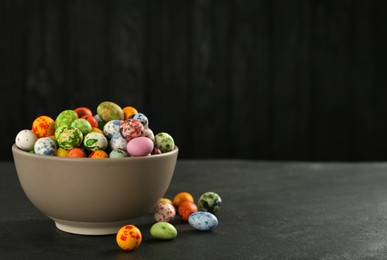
(166, 200)
(129, 237)
(61, 152)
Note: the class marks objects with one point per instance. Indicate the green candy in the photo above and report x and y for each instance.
(163, 230)
(108, 111)
(69, 138)
(164, 142)
(65, 118)
(83, 125)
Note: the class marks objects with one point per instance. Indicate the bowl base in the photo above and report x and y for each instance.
(90, 228)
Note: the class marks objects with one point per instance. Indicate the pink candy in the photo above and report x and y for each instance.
(140, 146)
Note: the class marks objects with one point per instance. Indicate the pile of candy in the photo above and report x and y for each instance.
(200, 216)
(113, 132)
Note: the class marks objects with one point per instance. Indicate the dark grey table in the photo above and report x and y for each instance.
(271, 210)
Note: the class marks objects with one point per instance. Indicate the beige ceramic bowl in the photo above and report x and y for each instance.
(94, 196)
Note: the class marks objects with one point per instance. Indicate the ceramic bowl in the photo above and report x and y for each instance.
(94, 196)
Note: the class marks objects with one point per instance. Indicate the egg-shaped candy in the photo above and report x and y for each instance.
(61, 152)
(83, 111)
(108, 111)
(163, 230)
(118, 154)
(128, 111)
(118, 142)
(210, 202)
(164, 142)
(83, 125)
(142, 118)
(92, 120)
(202, 220)
(131, 128)
(149, 133)
(185, 209)
(100, 122)
(45, 146)
(164, 211)
(65, 118)
(25, 140)
(43, 126)
(140, 146)
(112, 128)
(98, 154)
(69, 138)
(95, 141)
(76, 153)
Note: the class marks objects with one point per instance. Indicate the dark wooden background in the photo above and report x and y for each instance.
(255, 79)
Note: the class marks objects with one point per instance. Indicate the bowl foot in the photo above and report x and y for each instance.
(90, 228)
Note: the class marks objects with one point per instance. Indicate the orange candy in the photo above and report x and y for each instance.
(99, 154)
(76, 153)
(43, 126)
(181, 197)
(186, 209)
(129, 237)
(128, 111)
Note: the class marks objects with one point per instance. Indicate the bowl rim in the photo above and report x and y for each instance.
(17, 150)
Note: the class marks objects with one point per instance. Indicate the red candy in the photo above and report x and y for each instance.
(131, 128)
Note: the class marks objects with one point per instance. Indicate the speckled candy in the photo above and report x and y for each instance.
(65, 118)
(95, 141)
(164, 142)
(140, 146)
(69, 138)
(142, 118)
(108, 111)
(83, 125)
(118, 154)
(45, 146)
(131, 128)
(112, 128)
(43, 126)
(163, 230)
(210, 202)
(164, 211)
(25, 140)
(202, 220)
(118, 142)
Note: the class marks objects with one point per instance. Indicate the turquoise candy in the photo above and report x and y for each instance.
(163, 230)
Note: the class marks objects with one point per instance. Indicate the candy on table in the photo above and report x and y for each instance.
(163, 230)
(186, 208)
(209, 201)
(202, 220)
(129, 237)
(164, 211)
